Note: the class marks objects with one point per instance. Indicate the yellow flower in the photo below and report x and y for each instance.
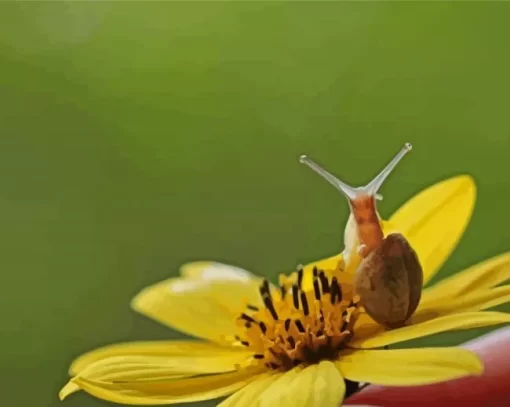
(308, 343)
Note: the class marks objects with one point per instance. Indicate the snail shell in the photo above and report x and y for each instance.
(389, 281)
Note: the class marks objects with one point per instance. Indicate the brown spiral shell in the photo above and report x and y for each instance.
(389, 281)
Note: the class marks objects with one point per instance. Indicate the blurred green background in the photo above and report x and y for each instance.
(138, 136)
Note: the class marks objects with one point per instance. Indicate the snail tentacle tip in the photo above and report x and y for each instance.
(303, 158)
(408, 146)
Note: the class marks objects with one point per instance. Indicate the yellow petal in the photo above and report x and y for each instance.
(407, 367)
(486, 274)
(141, 368)
(68, 389)
(473, 301)
(316, 385)
(204, 303)
(246, 396)
(480, 300)
(435, 219)
(126, 368)
(366, 327)
(140, 361)
(169, 391)
(138, 368)
(152, 348)
(209, 270)
(463, 320)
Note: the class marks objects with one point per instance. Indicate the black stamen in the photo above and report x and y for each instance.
(300, 277)
(287, 324)
(304, 302)
(265, 283)
(263, 327)
(283, 291)
(316, 289)
(245, 343)
(247, 318)
(324, 282)
(252, 307)
(270, 306)
(264, 288)
(299, 326)
(315, 271)
(258, 356)
(319, 332)
(291, 341)
(340, 294)
(336, 291)
(247, 325)
(295, 298)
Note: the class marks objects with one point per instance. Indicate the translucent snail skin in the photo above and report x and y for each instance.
(389, 277)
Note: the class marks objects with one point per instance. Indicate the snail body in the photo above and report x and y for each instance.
(389, 277)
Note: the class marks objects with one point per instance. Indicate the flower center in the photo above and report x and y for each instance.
(296, 327)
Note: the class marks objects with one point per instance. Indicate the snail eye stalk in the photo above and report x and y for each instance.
(352, 193)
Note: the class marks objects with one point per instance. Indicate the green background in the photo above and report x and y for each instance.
(138, 136)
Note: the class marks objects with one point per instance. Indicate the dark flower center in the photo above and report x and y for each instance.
(297, 327)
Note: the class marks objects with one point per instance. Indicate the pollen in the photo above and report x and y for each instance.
(296, 327)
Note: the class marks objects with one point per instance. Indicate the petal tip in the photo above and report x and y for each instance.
(138, 302)
(194, 268)
(70, 388)
(145, 298)
(469, 182)
(477, 364)
(466, 185)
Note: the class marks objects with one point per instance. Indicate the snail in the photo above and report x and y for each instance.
(389, 276)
